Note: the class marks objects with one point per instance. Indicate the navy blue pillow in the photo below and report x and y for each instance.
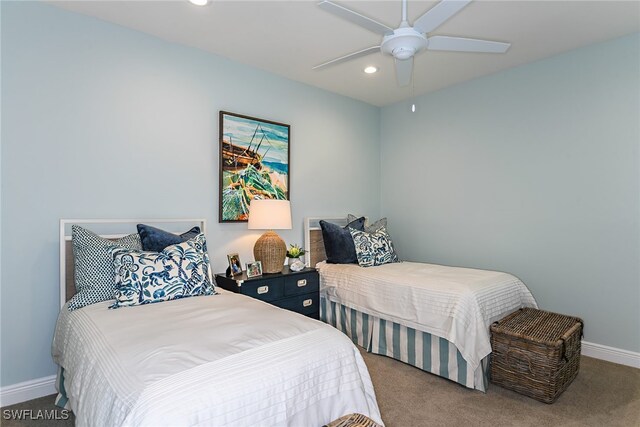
(155, 240)
(338, 243)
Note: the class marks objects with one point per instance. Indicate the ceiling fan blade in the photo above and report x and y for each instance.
(438, 14)
(355, 17)
(358, 54)
(404, 69)
(460, 44)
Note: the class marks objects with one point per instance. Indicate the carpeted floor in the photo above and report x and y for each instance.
(603, 394)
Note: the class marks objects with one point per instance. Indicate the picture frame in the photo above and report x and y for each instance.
(235, 266)
(254, 162)
(254, 269)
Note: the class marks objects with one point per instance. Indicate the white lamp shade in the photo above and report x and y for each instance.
(269, 214)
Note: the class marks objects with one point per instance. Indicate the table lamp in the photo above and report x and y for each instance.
(270, 214)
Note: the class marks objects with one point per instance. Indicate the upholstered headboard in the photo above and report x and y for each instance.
(109, 229)
(313, 243)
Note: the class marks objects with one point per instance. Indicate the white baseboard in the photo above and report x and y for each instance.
(21, 392)
(611, 354)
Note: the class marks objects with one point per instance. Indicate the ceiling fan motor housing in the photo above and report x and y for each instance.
(403, 43)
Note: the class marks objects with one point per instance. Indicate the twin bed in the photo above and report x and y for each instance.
(226, 359)
(430, 316)
(222, 359)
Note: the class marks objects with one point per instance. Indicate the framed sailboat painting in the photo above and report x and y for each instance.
(254, 163)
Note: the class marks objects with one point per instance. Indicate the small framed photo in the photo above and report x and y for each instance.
(254, 269)
(235, 266)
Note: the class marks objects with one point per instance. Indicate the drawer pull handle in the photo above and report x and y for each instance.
(263, 289)
(302, 282)
(307, 302)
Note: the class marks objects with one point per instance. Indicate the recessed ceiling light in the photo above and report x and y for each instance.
(199, 2)
(370, 70)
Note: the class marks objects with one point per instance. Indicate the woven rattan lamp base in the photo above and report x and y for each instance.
(271, 251)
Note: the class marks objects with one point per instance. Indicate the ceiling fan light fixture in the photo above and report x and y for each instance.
(403, 43)
(370, 69)
(403, 53)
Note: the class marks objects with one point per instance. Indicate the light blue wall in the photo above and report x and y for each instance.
(534, 171)
(104, 122)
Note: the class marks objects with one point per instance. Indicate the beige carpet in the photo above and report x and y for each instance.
(603, 394)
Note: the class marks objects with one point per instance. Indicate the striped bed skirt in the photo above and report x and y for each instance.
(420, 349)
(62, 400)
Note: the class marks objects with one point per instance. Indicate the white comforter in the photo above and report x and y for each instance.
(215, 360)
(458, 304)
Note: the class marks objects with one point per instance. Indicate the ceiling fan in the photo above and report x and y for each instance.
(405, 41)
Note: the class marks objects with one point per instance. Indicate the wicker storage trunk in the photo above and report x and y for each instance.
(353, 420)
(536, 353)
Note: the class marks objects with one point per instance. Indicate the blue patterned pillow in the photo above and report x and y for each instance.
(373, 248)
(155, 239)
(179, 271)
(93, 265)
(369, 228)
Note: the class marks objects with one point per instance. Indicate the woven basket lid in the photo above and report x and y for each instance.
(536, 325)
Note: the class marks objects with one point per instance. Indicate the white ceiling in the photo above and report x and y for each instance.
(290, 37)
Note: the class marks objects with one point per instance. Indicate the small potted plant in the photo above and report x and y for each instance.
(294, 253)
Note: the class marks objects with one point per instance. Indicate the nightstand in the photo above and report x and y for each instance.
(297, 291)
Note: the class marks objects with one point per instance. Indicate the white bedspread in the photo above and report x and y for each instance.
(215, 360)
(458, 304)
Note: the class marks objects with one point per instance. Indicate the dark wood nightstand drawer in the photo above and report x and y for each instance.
(292, 290)
(301, 284)
(265, 290)
(303, 304)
